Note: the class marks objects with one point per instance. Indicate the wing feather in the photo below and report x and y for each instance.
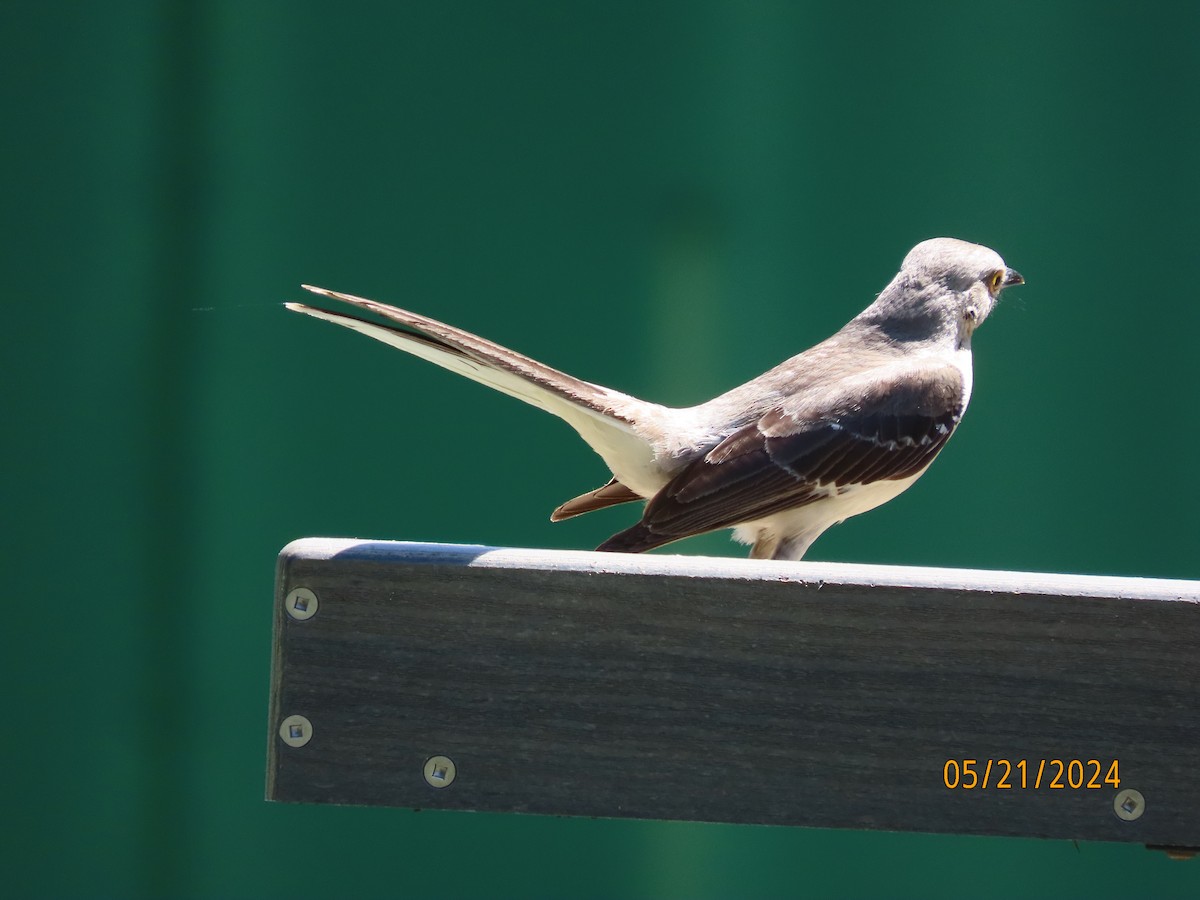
(891, 431)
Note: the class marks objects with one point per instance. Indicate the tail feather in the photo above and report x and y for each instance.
(610, 495)
(606, 419)
(467, 346)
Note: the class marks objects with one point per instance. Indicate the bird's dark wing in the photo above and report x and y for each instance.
(887, 429)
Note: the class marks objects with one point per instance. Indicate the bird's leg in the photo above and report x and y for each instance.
(795, 547)
(765, 545)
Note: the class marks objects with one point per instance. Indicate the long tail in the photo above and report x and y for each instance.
(606, 419)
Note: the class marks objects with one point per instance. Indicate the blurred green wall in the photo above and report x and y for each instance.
(662, 197)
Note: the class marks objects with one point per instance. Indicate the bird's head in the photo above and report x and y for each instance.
(966, 278)
(944, 290)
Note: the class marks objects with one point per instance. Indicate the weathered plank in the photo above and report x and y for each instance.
(737, 691)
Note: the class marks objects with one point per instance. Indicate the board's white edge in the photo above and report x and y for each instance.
(748, 569)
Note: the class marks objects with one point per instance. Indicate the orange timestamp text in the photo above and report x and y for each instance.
(1030, 774)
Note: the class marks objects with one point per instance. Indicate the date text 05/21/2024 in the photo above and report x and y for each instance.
(1030, 774)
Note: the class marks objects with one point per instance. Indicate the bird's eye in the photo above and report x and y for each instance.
(996, 281)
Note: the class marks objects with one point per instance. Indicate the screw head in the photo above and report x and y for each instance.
(295, 731)
(1129, 804)
(301, 603)
(440, 771)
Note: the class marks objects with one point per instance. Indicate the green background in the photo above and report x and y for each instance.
(663, 197)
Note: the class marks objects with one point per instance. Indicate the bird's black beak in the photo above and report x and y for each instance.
(1012, 276)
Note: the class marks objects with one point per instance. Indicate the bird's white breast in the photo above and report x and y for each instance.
(962, 362)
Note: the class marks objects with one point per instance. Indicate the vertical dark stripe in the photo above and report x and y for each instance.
(180, 182)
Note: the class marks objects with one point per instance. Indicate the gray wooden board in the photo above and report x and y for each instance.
(734, 690)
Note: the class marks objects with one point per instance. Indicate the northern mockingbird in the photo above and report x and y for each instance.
(843, 427)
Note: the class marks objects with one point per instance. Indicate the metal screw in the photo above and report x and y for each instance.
(296, 731)
(440, 771)
(1129, 804)
(301, 604)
